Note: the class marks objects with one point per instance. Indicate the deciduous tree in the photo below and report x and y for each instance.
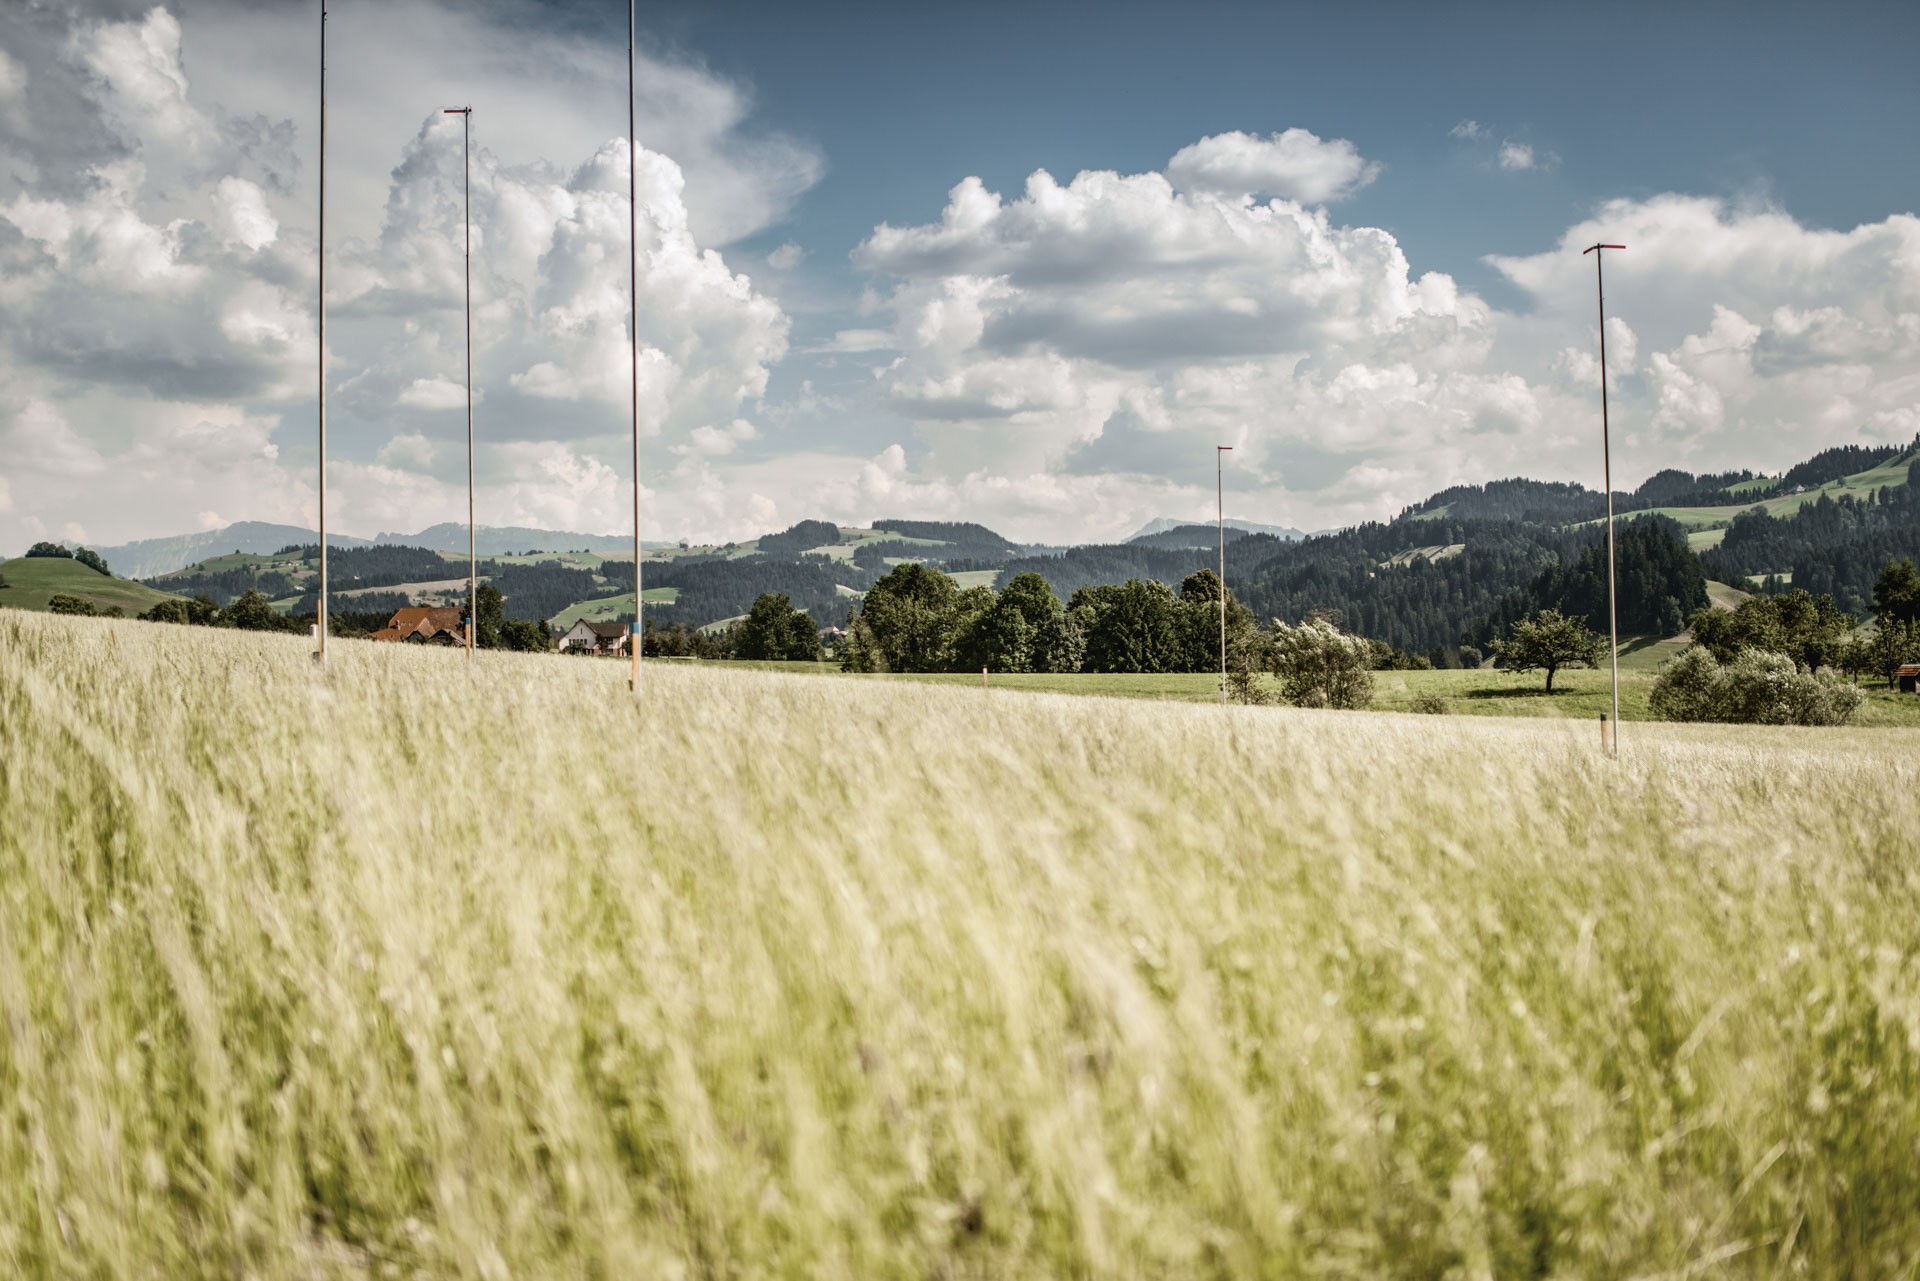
(904, 623)
(1549, 641)
(1896, 593)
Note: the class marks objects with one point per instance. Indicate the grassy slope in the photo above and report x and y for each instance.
(1889, 474)
(1725, 595)
(892, 981)
(33, 581)
(608, 609)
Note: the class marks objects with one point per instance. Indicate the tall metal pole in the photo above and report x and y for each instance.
(1220, 518)
(633, 332)
(473, 564)
(320, 654)
(1606, 464)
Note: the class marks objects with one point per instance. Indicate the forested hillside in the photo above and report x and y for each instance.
(1660, 584)
(1832, 545)
(714, 589)
(1451, 569)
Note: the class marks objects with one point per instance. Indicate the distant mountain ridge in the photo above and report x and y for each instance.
(151, 557)
(148, 557)
(1167, 524)
(510, 540)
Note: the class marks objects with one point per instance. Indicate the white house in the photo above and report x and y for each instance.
(595, 638)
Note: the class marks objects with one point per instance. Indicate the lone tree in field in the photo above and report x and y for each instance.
(1549, 641)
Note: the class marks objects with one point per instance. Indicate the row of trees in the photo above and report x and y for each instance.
(917, 619)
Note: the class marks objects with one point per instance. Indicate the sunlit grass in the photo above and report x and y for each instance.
(399, 970)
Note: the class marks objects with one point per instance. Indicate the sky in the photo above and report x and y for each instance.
(1020, 264)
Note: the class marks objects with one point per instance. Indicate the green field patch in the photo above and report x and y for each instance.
(1725, 595)
(1699, 540)
(418, 593)
(1434, 552)
(1579, 693)
(610, 609)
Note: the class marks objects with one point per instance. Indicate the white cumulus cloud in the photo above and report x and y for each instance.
(1294, 165)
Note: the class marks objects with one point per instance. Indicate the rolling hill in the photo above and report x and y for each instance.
(151, 557)
(32, 581)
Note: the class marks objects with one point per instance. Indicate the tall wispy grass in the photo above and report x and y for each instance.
(401, 970)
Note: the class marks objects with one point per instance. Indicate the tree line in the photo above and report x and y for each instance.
(917, 619)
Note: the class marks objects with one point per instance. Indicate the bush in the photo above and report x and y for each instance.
(1246, 657)
(1471, 657)
(1690, 689)
(49, 549)
(1771, 689)
(525, 636)
(92, 560)
(1758, 687)
(63, 604)
(1429, 703)
(1320, 666)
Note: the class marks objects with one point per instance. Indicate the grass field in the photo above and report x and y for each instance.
(1578, 694)
(32, 581)
(405, 969)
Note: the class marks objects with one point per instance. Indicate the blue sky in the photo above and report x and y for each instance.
(1809, 106)
(1020, 264)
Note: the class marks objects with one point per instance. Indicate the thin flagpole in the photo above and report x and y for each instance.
(1606, 465)
(633, 332)
(320, 654)
(473, 564)
(1220, 516)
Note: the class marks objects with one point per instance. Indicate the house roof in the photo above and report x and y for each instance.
(1907, 669)
(607, 631)
(439, 618)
